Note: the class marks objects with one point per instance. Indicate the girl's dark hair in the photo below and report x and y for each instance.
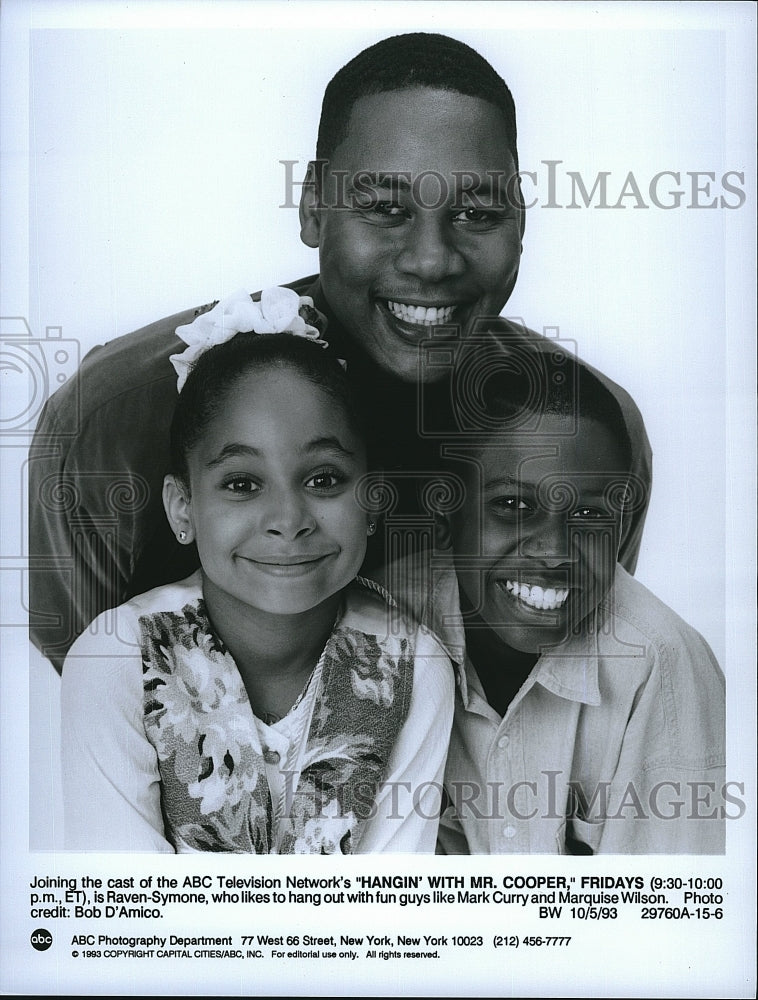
(216, 372)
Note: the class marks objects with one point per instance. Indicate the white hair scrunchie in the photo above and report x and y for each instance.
(280, 310)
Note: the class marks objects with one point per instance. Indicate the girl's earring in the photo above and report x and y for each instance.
(371, 527)
(182, 536)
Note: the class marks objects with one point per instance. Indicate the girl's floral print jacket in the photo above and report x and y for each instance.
(214, 791)
(162, 751)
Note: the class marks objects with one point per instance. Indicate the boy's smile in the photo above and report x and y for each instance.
(545, 597)
(535, 542)
(416, 226)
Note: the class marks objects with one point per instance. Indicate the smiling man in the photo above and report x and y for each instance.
(426, 232)
(414, 205)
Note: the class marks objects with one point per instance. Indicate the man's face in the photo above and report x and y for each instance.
(417, 225)
(536, 540)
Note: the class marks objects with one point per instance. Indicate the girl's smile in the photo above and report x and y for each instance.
(287, 565)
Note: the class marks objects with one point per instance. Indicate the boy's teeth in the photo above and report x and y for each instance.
(538, 597)
(421, 315)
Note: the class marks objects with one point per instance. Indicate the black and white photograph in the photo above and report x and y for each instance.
(378, 477)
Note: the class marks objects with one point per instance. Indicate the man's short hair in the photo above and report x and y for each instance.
(402, 62)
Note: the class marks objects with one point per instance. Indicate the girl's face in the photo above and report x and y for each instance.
(272, 505)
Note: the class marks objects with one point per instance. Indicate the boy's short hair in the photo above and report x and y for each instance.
(514, 386)
(402, 62)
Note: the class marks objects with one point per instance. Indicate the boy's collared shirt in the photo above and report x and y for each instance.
(613, 744)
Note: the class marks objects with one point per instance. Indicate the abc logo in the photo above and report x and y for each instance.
(41, 939)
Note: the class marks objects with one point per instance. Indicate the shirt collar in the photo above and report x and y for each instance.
(569, 671)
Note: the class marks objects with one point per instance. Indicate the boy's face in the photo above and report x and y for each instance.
(535, 542)
(416, 226)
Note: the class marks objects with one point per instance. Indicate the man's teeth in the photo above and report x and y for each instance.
(420, 315)
(544, 599)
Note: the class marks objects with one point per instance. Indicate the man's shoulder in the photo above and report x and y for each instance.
(133, 364)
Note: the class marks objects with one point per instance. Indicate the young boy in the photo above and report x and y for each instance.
(589, 717)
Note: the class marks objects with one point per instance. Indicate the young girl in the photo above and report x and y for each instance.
(273, 702)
